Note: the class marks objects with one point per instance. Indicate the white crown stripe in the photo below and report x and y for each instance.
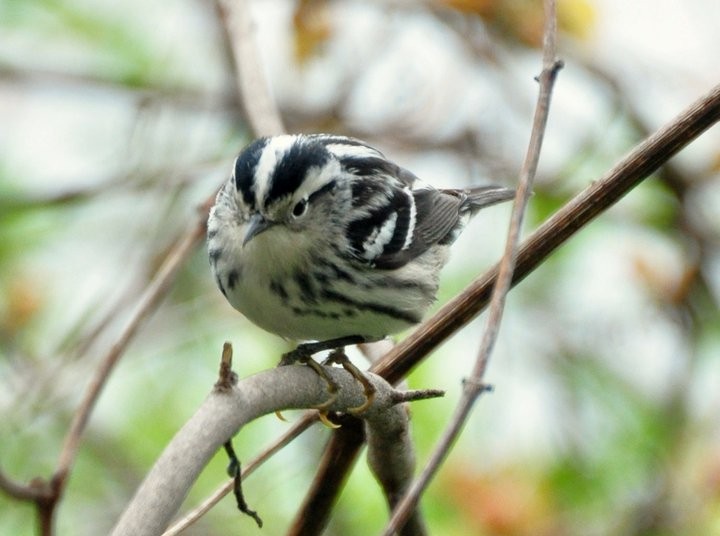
(272, 153)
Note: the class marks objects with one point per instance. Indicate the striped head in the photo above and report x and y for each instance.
(319, 189)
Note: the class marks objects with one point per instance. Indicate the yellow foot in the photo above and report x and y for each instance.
(323, 416)
(338, 356)
(300, 355)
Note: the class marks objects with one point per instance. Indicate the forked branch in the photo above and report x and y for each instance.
(225, 411)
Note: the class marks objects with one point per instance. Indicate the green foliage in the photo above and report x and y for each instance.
(111, 46)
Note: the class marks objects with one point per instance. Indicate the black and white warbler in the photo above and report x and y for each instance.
(321, 238)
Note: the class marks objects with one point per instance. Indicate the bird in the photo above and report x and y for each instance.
(321, 239)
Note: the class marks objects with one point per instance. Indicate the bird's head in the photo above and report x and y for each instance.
(286, 187)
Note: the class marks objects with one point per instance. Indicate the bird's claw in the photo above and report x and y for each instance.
(338, 356)
(303, 354)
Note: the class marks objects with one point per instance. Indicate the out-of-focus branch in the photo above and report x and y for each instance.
(264, 119)
(47, 494)
(474, 386)
(260, 107)
(640, 163)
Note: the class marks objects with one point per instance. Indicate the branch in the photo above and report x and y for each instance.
(260, 107)
(391, 457)
(220, 417)
(264, 119)
(297, 428)
(23, 492)
(640, 163)
(602, 193)
(474, 386)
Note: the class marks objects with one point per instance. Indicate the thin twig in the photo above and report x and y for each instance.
(149, 301)
(551, 67)
(22, 492)
(474, 387)
(226, 377)
(307, 420)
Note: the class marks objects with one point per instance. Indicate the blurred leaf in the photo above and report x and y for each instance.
(25, 223)
(23, 299)
(313, 27)
(664, 285)
(576, 17)
(523, 20)
(508, 501)
(121, 53)
(484, 8)
(653, 204)
(715, 162)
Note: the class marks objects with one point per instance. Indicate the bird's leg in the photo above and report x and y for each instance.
(303, 354)
(307, 349)
(338, 356)
(235, 472)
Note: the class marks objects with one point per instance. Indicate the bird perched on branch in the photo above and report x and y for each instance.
(321, 238)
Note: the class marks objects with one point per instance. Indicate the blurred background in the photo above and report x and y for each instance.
(118, 120)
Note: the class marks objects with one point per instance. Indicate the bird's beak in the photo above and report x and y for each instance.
(257, 225)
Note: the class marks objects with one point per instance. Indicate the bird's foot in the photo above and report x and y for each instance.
(338, 356)
(303, 354)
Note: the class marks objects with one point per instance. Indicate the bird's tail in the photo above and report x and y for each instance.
(485, 196)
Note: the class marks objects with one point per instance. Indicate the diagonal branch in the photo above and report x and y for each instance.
(602, 193)
(474, 386)
(635, 167)
(149, 301)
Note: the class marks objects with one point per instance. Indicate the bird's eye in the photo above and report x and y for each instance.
(300, 208)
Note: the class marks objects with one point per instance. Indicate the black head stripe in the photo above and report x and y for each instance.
(329, 187)
(368, 166)
(245, 167)
(293, 166)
